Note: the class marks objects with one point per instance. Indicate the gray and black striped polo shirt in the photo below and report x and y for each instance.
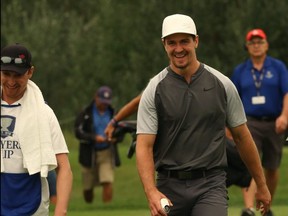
(189, 119)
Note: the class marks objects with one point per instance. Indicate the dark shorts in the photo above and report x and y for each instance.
(205, 196)
(51, 178)
(269, 144)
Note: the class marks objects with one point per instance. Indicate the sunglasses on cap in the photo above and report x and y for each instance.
(10, 60)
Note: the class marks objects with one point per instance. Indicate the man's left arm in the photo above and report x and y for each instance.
(63, 185)
(127, 110)
(281, 123)
(250, 156)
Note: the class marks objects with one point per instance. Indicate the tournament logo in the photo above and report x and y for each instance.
(7, 125)
(269, 75)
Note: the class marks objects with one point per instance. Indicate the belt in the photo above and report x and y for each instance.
(262, 118)
(188, 175)
(101, 149)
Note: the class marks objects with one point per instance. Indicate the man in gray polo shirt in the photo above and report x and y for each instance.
(181, 124)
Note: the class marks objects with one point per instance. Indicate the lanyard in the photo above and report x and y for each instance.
(258, 82)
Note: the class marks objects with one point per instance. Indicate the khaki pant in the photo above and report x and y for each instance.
(102, 172)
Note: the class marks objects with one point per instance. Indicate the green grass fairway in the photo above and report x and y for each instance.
(129, 198)
(233, 211)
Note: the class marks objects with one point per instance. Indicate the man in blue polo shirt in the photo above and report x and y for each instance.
(262, 83)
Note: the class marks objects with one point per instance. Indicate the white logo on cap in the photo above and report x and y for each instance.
(106, 94)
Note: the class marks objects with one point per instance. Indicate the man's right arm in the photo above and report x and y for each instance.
(146, 170)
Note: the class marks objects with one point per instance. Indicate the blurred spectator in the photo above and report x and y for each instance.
(97, 155)
(262, 83)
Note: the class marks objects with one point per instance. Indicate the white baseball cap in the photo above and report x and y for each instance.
(178, 23)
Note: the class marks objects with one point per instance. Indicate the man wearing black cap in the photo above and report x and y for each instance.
(32, 143)
(262, 82)
(97, 154)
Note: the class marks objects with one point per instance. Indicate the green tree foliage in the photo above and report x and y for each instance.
(79, 45)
